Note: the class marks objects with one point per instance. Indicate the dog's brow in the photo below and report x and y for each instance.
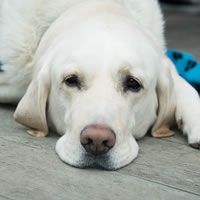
(66, 74)
(131, 71)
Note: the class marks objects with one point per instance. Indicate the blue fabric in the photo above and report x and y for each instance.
(187, 66)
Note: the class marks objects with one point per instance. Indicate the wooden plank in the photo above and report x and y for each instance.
(167, 163)
(178, 138)
(32, 173)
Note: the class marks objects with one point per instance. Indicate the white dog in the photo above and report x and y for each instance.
(96, 73)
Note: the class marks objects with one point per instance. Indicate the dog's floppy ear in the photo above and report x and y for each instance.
(31, 110)
(166, 100)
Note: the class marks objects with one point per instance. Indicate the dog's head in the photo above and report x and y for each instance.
(98, 82)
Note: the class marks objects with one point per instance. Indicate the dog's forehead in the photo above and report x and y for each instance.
(106, 48)
(97, 43)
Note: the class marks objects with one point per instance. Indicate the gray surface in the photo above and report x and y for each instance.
(165, 169)
(183, 31)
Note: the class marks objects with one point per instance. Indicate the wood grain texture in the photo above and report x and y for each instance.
(37, 173)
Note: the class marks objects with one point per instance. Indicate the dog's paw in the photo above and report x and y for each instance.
(195, 145)
(37, 133)
(194, 139)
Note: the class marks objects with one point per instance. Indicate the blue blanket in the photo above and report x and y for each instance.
(187, 66)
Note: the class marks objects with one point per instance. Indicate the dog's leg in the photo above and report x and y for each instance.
(179, 103)
(187, 110)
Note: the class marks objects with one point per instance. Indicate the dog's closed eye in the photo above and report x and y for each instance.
(131, 84)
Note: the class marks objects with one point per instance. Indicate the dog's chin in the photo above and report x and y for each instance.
(104, 162)
(99, 162)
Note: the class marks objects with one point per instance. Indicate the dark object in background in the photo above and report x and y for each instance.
(183, 2)
(1, 64)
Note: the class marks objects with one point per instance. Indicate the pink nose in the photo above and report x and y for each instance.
(97, 139)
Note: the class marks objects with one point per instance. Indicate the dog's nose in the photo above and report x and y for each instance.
(97, 139)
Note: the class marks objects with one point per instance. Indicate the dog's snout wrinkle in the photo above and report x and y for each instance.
(97, 139)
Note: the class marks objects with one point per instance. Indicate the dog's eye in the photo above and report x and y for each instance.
(72, 81)
(130, 83)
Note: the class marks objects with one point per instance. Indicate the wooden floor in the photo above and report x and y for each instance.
(166, 169)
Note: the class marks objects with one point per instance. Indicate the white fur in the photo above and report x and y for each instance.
(43, 41)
